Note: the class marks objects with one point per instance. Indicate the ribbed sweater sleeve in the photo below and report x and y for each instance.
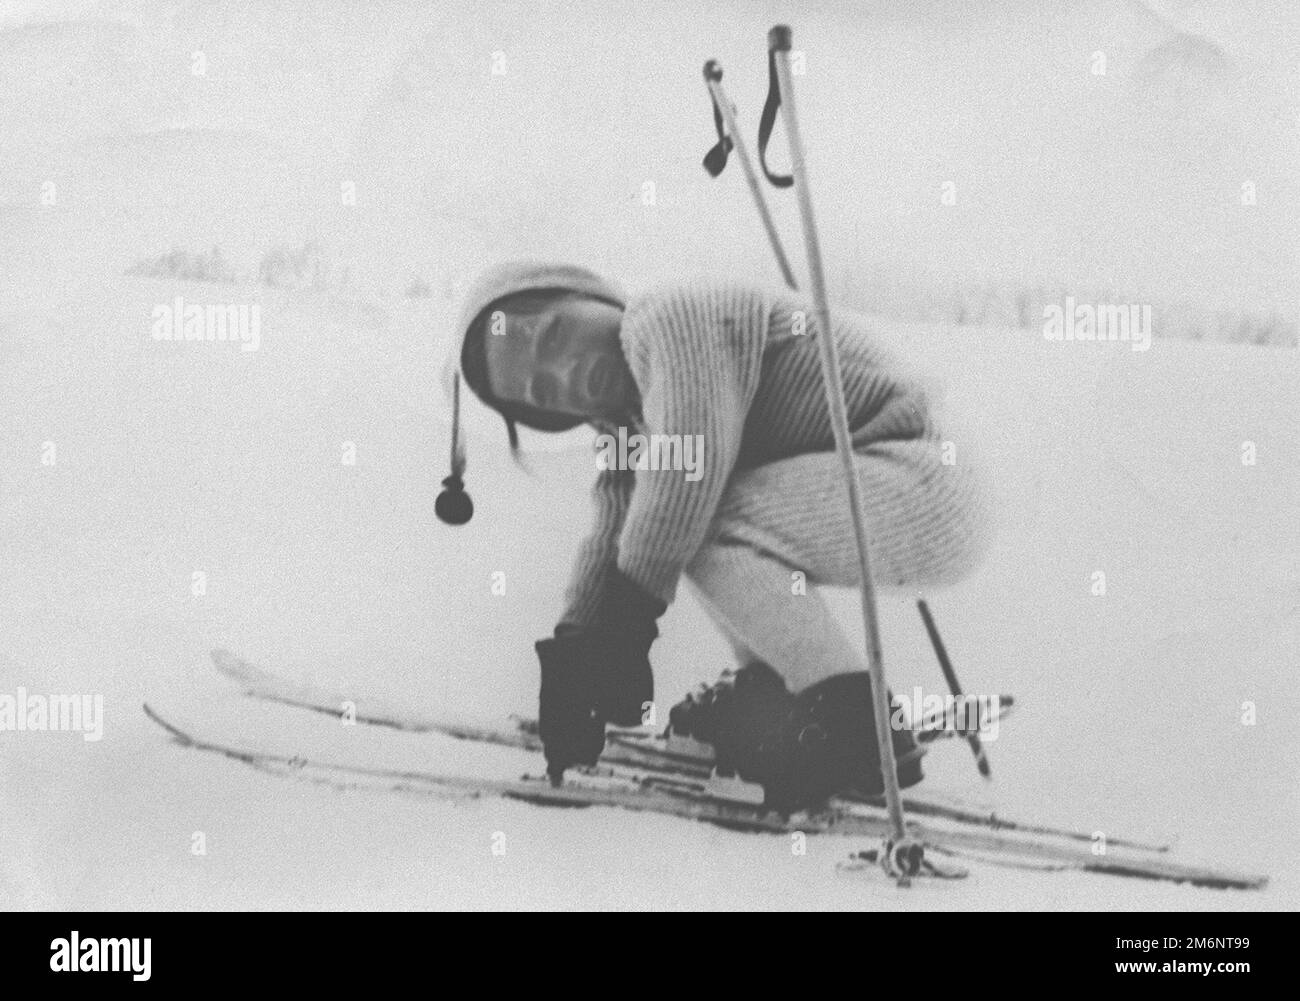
(696, 352)
(598, 552)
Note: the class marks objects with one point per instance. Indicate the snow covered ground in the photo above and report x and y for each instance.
(178, 458)
(201, 457)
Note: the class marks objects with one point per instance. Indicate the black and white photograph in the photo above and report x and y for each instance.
(671, 455)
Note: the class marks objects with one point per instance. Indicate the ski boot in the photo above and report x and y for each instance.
(802, 749)
(738, 716)
(834, 730)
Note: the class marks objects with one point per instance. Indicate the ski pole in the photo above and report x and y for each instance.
(981, 759)
(716, 160)
(779, 40)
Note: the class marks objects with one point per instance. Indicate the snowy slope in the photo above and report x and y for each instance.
(200, 457)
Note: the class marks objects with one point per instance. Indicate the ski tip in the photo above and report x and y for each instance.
(178, 735)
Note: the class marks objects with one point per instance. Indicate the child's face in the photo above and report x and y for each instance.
(562, 356)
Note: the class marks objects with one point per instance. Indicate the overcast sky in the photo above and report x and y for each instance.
(1131, 178)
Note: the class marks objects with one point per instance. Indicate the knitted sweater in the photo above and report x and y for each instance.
(726, 362)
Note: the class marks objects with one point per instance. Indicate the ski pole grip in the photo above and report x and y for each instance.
(712, 71)
(779, 38)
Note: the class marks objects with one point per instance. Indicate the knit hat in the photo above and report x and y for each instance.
(507, 279)
(453, 505)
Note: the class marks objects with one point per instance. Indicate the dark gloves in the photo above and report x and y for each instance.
(597, 675)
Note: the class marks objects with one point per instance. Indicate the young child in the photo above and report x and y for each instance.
(735, 370)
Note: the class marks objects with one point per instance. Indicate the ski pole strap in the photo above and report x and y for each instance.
(715, 160)
(768, 119)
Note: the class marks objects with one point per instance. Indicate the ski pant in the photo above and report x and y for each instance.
(784, 528)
